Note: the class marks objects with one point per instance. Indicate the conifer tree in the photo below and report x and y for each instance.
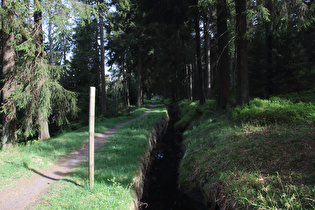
(207, 53)
(223, 59)
(103, 78)
(42, 118)
(202, 96)
(242, 54)
(84, 66)
(37, 93)
(8, 62)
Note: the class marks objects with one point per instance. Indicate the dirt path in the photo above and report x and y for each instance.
(27, 190)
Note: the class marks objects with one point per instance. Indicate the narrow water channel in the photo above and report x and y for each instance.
(161, 187)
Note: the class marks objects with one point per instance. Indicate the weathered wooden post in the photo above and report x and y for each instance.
(91, 136)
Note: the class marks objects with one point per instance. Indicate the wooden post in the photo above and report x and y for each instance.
(91, 136)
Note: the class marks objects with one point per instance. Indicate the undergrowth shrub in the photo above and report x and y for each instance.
(274, 110)
(190, 111)
(304, 96)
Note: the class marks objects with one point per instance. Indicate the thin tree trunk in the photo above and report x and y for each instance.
(50, 40)
(42, 119)
(269, 46)
(207, 56)
(223, 62)
(233, 67)
(103, 77)
(9, 114)
(202, 96)
(97, 72)
(242, 54)
(189, 82)
(64, 50)
(191, 96)
(139, 84)
(128, 74)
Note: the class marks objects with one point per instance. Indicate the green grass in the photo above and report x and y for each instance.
(305, 96)
(117, 165)
(249, 164)
(274, 110)
(15, 161)
(192, 111)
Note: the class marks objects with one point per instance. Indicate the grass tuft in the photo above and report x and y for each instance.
(190, 111)
(116, 164)
(275, 110)
(247, 164)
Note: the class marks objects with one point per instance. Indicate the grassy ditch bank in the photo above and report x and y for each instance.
(116, 164)
(15, 161)
(258, 156)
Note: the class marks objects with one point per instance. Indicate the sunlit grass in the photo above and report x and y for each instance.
(15, 161)
(251, 165)
(117, 163)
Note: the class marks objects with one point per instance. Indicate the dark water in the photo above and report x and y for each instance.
(161, 188)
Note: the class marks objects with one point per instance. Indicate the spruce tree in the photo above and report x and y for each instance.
(37, 93)
(223, 59)
(102, 67)
(84, 65)
(242, 53)
(8, 63)
(202, 96)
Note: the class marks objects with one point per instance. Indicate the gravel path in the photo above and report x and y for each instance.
(27, 191)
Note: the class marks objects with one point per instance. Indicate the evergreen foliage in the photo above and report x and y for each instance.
(274, 110)
(84, 66)
(38, 93)
(176, 50)
(152, 48)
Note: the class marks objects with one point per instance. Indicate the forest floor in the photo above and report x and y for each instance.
(25, 192)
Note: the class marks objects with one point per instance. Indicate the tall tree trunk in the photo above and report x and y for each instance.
(139, 83)
(127, 93)
(9, 114)
(269, 47)
(43, 132)
(50, 39)
(202, 96)
(42, 119)
(223, 62)
(207, 56)
(189, 82)
(242, 54)
(64, 49)
(103, 77)
(128, 75)
(97, 81)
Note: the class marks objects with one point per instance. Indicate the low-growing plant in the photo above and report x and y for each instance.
(190, 111)
(117, 164)
(251, 165)
(274, 110)
(13, 160)
(304, 96)
(259, 191)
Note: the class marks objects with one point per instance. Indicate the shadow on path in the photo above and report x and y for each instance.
(28, 190)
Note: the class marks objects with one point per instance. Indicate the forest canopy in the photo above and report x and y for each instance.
(231, 51)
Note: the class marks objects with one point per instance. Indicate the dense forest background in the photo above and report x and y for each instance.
(53, 51)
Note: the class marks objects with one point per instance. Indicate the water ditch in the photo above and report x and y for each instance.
(160, 190)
